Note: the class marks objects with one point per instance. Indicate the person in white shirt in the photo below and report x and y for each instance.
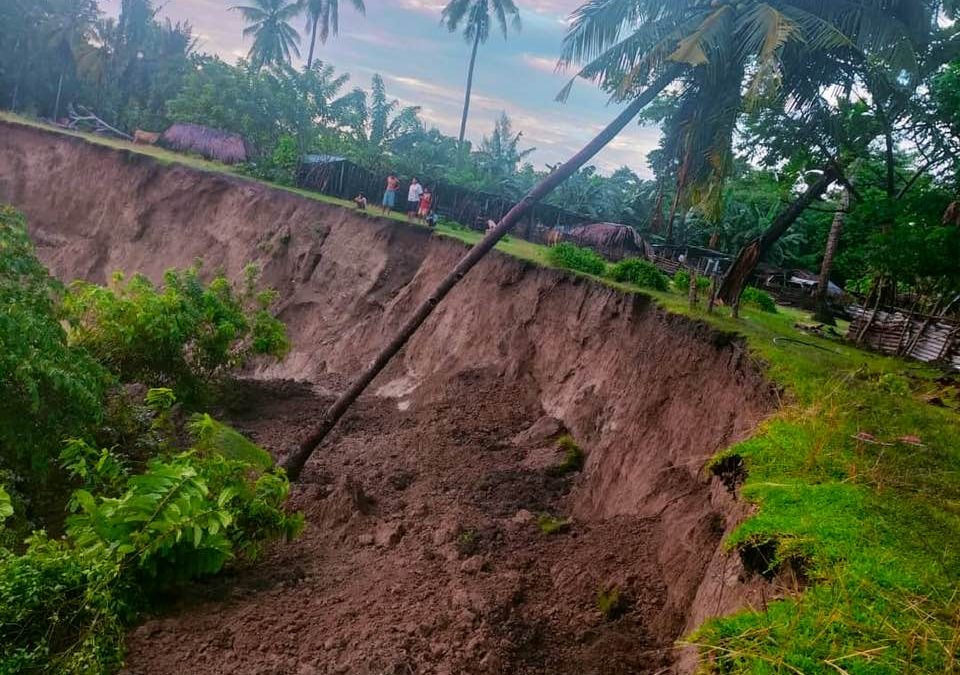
(413, 198)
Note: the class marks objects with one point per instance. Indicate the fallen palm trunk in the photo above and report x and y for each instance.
(297, 459)
(736, 278)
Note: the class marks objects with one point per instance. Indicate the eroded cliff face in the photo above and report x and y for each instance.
(650, 395)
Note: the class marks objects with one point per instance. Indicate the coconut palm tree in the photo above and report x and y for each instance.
(323, 19)
(275, 41)
(475, 17)
(68, 27)
(637, 48)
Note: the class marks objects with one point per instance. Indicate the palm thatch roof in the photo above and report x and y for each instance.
(611, 239)
(221, 146)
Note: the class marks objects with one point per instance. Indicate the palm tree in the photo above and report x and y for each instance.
(68, 28)
(275, 41)
(822, 311)
(662, 42)
(323, 19)
(475, 17)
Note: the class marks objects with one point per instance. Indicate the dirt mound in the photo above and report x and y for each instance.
(421, 555)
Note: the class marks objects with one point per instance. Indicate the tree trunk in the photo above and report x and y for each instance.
(822, 307)
(739, 273)
(56, 106)
(298, 459)
(466, 100)
(313, 41)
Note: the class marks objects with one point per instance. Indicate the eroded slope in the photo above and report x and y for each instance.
(650, 396)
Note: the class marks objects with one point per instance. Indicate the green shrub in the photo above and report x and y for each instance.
(572, 257)
(681, 281)
(182, 335)
(759, 299)
(65, 605)
(48, 389)
(640, 273)
(573, 457)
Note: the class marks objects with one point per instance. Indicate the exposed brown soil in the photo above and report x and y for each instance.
(453, 439)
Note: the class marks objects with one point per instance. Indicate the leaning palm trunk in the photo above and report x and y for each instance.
(822, 309)
(739, 273)
(297, 459)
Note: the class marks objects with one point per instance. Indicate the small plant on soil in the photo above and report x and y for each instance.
(573, 257)
(759, 299)
(573, 457)
(552, 525)
(467, 542)
(611, 602)
(640, 273)
(681, 281)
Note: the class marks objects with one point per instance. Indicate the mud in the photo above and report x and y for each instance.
(421, 554)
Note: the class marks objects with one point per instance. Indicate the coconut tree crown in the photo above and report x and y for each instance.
(476, 17)
(275, 41)
(737, 54)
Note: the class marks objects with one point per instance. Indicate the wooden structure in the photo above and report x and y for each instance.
(931, 339)
(706, 262)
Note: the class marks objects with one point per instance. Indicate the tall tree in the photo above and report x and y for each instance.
(822, 310)
(68, 26)
(323, 20)
(475, 16)
(275, 41)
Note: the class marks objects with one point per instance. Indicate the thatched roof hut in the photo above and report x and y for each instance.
(220, 146)
(612, 240)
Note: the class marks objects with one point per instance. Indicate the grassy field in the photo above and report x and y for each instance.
(857, 480)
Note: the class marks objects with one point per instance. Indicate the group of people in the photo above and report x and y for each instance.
(419, 200)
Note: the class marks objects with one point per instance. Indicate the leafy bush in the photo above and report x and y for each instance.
(759, 299)
(572, 257)
(65, 605)
(48, 389)
(639, 272)
(573, 458)
(681, 281)
(181, 335)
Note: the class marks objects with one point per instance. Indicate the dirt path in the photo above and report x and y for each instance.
(421, 554)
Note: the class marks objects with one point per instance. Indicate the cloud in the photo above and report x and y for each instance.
(542, 63)
(423, 6)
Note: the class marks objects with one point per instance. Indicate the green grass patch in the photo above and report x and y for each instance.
(553, 525)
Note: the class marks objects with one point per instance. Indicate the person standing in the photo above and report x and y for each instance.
(390, 194)
(426, 204)
(413, 198)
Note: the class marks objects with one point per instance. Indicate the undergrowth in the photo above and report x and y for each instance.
(642, 273)
(572, 257)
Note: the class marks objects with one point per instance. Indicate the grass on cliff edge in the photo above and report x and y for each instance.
(845, 494)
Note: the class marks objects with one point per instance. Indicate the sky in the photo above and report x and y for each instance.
(425, 65)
